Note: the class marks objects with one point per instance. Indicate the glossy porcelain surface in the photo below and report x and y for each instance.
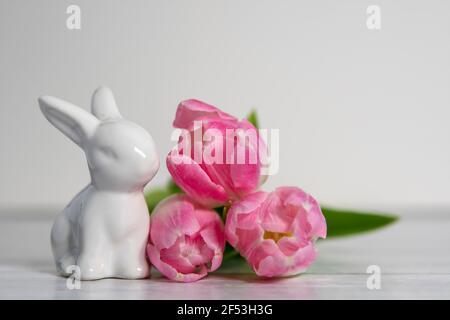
(103, 231)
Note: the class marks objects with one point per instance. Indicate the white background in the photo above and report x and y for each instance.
(363, 115)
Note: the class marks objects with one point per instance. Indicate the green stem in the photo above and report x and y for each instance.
(233, 253)
(230, 255)
(224, 213)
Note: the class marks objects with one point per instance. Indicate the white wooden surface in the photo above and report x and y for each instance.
(414, 257)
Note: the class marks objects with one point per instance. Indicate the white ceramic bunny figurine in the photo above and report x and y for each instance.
(104, 229)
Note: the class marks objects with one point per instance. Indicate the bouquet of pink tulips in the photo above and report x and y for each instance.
(216, 200)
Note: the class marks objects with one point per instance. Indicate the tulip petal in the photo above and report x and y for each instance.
(245, 177)
(243, 214)
(298, 198)
(235, 167)
(213, 235)
(289, 245)
(191, 110)
(246, 173)
(214, 240)
(195, 182)
(267, 259)
(172, 217)
(317, 222)
(171, 272)
(249, 239)
(173, 257)
(301, 260)
(271, 266)
(276, 231)
(275, 216)
(186, 240)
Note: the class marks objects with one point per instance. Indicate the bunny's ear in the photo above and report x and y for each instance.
(103, 105)
(76, 123)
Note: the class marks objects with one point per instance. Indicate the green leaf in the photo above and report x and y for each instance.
(253, 118)
(229, 252)
(344, 222)
(232, 259)
(235, 264)
(155, 196)
(173, 187)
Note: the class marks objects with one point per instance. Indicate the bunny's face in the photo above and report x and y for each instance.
(121, 155)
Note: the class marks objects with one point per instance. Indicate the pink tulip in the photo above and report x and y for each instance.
(190, 110)
(186, 241)
(218, 182)
(276, 231)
